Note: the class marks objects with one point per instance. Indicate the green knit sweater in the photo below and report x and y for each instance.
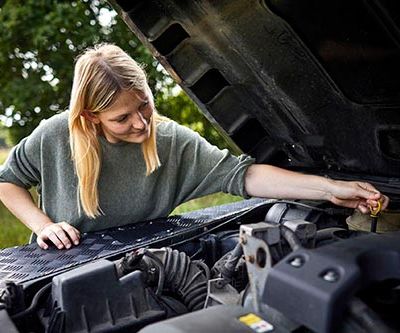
(190, 168)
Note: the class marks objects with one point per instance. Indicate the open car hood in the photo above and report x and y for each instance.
(306, 87)
(310, 85)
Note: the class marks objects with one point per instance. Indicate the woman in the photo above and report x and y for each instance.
(112, 158)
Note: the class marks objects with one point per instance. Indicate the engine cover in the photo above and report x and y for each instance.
(313, 286)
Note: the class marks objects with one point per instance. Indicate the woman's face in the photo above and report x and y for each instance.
(128, 119)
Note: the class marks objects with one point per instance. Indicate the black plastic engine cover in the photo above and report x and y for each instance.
(316, 292)
(93, 299)
(221, 318)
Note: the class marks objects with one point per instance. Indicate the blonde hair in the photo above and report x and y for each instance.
(101, 74)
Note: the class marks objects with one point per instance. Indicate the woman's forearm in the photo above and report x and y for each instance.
(267, 181)
(19, 201)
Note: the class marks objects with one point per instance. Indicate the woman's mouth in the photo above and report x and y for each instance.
(144, 131)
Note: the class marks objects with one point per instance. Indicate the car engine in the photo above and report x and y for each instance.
(256, 265)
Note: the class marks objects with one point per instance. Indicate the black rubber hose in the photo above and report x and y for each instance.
(228, 268)
(291, 238)
(186, 279)
(34, 304)
(327, 234)
(161, 273)
(204, 267)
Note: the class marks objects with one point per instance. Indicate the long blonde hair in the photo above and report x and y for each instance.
(101, 74)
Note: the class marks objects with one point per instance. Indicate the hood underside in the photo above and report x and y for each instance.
(307, 85)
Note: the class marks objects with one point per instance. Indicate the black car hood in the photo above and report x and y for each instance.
(307, 85)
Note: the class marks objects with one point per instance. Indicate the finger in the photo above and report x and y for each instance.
(345, 203)
(42, 244)
(385, 202)
(363, 208)
(52, 236)
(72, 233)
(372, 203)
(62, 236)
(78, 233)
(368, 187)
(66, 225)
(367, 191)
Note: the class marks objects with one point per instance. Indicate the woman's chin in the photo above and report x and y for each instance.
(137, 137)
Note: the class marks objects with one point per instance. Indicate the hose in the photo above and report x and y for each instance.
(184, 278)
(34, 304)
(225, 267)
(327, 234)
(291, 238)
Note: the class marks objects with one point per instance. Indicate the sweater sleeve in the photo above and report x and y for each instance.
(22, 166)
(204, 169)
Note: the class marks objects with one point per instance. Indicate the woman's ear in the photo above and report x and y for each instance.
(90, 116)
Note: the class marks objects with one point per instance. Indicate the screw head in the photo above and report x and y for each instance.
(250, 259)
(297, 262)
(219, 284)
(331, 276)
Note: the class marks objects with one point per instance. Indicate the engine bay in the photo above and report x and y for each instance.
(256, 265)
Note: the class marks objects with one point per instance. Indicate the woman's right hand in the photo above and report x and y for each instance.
(19, 201)
(62, 235)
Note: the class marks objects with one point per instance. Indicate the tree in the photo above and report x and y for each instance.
(40, 40)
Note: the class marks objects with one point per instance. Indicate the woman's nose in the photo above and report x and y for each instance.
(139, 122)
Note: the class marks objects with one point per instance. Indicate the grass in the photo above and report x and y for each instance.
(13, 232)
(3, 154)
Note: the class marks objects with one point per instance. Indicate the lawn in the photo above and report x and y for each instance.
(12, 232)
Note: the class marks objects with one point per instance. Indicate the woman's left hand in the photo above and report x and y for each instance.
(360, 195)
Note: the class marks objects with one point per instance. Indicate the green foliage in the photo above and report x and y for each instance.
(40, 40)
(206, 201)
(4, 137)
(12, 232)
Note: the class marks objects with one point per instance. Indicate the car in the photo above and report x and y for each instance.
(311, 86)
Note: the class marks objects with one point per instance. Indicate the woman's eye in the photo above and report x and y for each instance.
(122, 119)
(143, 105)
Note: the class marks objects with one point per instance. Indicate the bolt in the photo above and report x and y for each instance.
(251, 259)
(297, 262)
(330, 276)
(219, 284)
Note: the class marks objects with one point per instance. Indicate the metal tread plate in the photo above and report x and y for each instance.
(21, 264)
